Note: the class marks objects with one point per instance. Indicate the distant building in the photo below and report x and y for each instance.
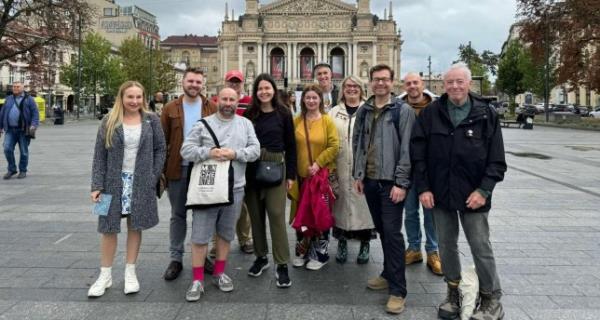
(194, 51)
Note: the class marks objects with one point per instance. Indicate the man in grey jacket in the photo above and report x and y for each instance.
(239, 144)
(383, 174)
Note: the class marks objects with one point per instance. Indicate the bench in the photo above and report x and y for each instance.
(508, 123)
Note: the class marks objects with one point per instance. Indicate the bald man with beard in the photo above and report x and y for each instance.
(238, 143)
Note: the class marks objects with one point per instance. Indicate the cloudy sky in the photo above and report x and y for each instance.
(429, 27)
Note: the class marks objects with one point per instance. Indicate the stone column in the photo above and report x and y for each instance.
(259, 59)
(374, 53)
(392, 64)
(294, 65)
(225, 66)
(241, 57)
(355, 70)
(288, 62)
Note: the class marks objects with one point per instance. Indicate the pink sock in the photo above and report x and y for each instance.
(219, 267)
(198, 273)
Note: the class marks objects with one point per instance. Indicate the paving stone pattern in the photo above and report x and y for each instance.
(545, 230)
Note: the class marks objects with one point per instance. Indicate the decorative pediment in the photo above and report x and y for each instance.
(301, 7)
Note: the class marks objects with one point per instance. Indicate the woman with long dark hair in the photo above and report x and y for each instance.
(274, 129)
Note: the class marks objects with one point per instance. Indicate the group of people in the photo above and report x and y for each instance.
(384, 155)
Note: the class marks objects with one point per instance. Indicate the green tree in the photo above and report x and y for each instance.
(478, 65)
(146, 66)
(100, 71)
(511, 68)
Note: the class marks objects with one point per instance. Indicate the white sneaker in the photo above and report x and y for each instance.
(131, 282)
(223, 282)
(315, 264)
(103, 282)
(298, 262)
(195, 291)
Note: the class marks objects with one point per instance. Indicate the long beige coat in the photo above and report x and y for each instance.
(350, 209)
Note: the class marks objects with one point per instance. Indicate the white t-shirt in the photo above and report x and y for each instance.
(132, 134)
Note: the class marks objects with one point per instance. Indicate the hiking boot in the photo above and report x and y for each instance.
(450, 308)
(247, 247)
(282, 277)
(412, 256)
(489, 309)
(260, 264)
(342, 251)
(377, 283)
(434, 263)
(395, 305)
(363, 253)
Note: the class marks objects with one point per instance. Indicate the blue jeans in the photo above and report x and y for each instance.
(387, 217)
(412, 222)
(177, 191)
(11, 138)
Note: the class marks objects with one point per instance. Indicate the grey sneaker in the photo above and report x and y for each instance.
(490, 308)
(224, 282)
(195, 291)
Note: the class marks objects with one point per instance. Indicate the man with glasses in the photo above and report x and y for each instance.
(382, 171)
(458, 157)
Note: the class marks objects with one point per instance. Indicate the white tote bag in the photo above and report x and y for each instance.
(211, 181)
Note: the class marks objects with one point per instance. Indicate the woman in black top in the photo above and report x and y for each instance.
(275, 131)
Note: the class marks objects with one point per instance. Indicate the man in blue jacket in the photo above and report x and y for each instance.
(19, 118)
(457, 155)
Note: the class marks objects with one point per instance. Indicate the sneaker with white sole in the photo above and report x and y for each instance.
(224, 282)
(281, 276)
(315, 264)
(259, 265)
(103, 282)
(195, 291)
(132, 284)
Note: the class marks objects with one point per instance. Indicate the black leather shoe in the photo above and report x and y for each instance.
(209, 266)
(8, 175)
(22, 175)
(173, 270)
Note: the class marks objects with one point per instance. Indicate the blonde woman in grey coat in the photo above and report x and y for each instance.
(128, 160)
(352, 217)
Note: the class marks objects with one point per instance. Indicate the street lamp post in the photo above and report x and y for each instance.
(79, 71)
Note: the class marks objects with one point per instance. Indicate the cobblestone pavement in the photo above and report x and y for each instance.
(545, 231)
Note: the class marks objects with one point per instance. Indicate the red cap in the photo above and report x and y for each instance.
(234, 74)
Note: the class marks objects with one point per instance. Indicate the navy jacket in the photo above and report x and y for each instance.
(453, 162)
(30, 112)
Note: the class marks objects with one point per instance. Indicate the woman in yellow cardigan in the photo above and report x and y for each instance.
(324, 147)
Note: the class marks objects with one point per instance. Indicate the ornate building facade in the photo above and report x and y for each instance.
(286, 38)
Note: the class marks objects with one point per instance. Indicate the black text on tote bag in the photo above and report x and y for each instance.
(211, 181)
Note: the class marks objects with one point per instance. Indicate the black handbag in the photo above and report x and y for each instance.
(269, 173)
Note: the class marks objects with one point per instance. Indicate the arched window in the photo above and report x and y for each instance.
(277, 63)
(307, 61)
(185, 58)
(337, 59)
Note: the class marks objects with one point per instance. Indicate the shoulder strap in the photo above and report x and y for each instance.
(25, 96)
(212, 133)
(396, 116)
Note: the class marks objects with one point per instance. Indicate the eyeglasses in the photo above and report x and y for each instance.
(352, 86)
(377, 80)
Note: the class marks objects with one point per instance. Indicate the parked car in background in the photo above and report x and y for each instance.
(539, 107)
(595, 113)
(562, 108)
(581, 110)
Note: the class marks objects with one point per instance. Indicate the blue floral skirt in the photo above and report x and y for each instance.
(127, 178)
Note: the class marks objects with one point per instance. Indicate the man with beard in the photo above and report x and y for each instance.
(177, 119)
(239, 144)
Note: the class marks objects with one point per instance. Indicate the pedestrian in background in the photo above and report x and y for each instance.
(18, 119)
(128, 161)
(352, 217)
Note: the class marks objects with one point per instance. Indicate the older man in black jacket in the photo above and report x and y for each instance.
(457, 154)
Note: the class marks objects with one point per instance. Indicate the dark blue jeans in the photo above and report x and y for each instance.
(412, 224)
(387, 217)
(11, 138)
